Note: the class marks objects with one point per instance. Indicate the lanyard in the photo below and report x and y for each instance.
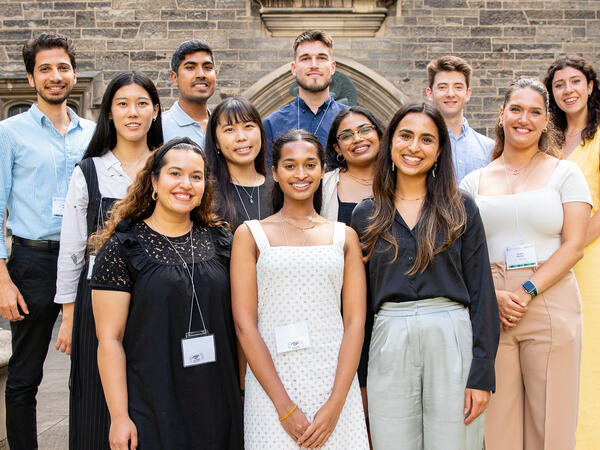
(191, 277)
(320, 122)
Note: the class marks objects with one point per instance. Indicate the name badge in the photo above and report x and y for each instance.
(58, 206)
(521, 256)
(292, 337)
(198, 349)
(91, 266)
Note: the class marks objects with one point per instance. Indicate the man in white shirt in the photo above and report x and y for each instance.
(193, 72)
(449, 78)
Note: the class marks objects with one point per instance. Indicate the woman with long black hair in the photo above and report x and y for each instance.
(235, 147)
(129, 128)
(435, 331)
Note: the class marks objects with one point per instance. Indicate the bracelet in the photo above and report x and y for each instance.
(289, 414)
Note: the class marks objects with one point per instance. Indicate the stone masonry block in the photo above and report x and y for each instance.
(502, 17)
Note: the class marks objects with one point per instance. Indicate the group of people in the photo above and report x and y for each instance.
(315, 279)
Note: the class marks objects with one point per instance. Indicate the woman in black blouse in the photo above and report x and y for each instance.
(161, 300)
(235, 147)
(436, 326)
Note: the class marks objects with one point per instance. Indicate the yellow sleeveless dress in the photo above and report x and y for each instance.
(586, 156)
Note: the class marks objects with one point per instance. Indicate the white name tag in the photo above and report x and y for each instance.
(58, 206)
(292, 337)
(198, 350)
(521, 256)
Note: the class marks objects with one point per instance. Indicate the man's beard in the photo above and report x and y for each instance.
(53, 100)
(314, 87)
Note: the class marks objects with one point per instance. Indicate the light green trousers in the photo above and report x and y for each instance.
(419, 360)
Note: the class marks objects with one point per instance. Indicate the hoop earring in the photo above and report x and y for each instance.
(340, 160)
(154, 195)
(545, 130)
(500, 124)
(433, 170)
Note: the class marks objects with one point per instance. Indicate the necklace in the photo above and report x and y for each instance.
(517, 171)
(362, 181)
(251, 201)
(411, 199)
(133, 163)
(297, 226)
(283, 222)
(187, 269)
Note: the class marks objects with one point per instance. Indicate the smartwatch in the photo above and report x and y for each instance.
(530, 288)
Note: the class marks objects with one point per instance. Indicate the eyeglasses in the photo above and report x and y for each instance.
(347, 136)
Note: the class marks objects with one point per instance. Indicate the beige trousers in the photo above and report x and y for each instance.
(537, 370)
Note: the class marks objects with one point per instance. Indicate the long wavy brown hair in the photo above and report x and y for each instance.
(443, 212)
(138, 203)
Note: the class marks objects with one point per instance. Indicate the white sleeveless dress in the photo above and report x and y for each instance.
(297, 284)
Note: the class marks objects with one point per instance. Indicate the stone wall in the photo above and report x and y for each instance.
(501, 39)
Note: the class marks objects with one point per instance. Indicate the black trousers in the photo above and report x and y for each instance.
(33, 271)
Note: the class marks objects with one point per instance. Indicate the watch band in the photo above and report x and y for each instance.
(530, 288)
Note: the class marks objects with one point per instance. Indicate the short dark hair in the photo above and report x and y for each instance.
(46, 41)
(314, 36)
(448, 63)
(187, 48)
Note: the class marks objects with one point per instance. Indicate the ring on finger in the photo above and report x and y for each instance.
(510, 319)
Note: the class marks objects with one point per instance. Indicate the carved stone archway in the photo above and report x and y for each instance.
(374, 92)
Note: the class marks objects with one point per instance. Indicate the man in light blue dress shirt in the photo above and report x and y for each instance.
(449, 78)
(314, 108)
(38, 152)
(193, 72)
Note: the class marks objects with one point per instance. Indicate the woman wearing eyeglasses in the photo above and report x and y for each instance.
(352, 146)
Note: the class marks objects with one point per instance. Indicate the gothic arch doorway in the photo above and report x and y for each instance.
(272, 91)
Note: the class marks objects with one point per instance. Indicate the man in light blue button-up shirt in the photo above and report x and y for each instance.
(38, 151)
(449, 78)
(193, 72)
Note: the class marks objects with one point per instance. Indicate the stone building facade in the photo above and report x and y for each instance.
(382, 45)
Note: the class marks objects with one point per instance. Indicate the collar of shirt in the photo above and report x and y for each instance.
(180, 116)
(305, 108)
(43, 120)
(465, 128)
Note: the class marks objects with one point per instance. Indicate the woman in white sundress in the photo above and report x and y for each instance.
(289, 273)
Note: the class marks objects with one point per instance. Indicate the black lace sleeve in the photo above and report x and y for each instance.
(110, 268)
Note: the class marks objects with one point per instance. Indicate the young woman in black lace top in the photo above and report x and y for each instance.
(166, 346)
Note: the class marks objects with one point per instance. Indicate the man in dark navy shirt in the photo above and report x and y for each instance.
(314, 108)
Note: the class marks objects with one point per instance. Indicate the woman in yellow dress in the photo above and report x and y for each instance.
(575, 111)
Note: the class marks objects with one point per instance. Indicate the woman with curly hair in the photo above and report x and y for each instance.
(575, 111)
(160, 293)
